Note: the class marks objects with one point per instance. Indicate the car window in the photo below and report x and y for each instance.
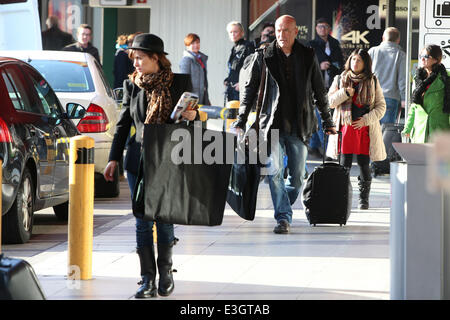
(15, 97)
(16, 90)
(108, 89)
(50, 102)
(65, 76)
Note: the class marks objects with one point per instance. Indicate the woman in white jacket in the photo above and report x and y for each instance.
(359, 102)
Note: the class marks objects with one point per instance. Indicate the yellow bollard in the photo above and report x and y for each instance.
(231, 114)
(1, 199)
(81, 207)
(202, 115)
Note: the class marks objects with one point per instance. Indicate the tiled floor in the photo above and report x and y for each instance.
(241, 259)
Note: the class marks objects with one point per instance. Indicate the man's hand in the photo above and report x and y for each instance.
(403, 104)
(324, 65)
(109, 170)
(236, 86)
(330, 130)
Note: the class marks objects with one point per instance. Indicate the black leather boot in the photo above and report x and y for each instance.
(166, 284)
(148, 273)
(364, 191)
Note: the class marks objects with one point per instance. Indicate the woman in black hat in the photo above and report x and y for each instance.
(150, 95)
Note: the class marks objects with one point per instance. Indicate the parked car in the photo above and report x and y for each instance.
(34, 146)
(78, 77)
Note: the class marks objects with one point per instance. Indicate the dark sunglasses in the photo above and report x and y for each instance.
(425, 56)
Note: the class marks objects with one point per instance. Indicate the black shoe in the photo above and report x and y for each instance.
(147, 261)
(147, 288)
(164, 262)
(282, 227)
(364, 191)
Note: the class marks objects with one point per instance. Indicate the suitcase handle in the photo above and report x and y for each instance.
(326, 144)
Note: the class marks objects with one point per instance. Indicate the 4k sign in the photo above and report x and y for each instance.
(355, 37)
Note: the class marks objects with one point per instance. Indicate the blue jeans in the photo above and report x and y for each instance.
(284, 193)
(391, 111)
(144, 232)
(316, 140)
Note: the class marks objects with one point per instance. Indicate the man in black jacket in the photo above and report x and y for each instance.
(241, 49)
(293, 80)
(83, 44)
(54, 38)
(331, 62)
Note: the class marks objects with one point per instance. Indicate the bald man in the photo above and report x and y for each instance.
(293, 81)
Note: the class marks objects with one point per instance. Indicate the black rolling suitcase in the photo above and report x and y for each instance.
(392, 132)
(327, 195)
(18, 280)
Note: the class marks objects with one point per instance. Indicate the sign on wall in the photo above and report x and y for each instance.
(435, 26)
(356, 27)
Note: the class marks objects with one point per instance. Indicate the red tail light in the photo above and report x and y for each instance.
(5, 135)
(95, 120)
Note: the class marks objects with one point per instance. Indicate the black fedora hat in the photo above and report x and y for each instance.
(148, 42)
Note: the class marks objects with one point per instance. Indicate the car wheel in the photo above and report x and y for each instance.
(62, 211)
(18, 222)
(107, 189)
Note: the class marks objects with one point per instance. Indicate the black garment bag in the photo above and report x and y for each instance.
(175, 184)
(244, 179)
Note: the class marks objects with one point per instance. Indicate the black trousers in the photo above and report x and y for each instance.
(363, 163)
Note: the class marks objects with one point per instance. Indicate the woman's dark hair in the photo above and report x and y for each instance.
(163, 62)
(434, 51)
(365, 58)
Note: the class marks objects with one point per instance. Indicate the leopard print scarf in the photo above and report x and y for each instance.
(156, 86)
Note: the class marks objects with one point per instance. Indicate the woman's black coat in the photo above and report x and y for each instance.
(134, 109)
